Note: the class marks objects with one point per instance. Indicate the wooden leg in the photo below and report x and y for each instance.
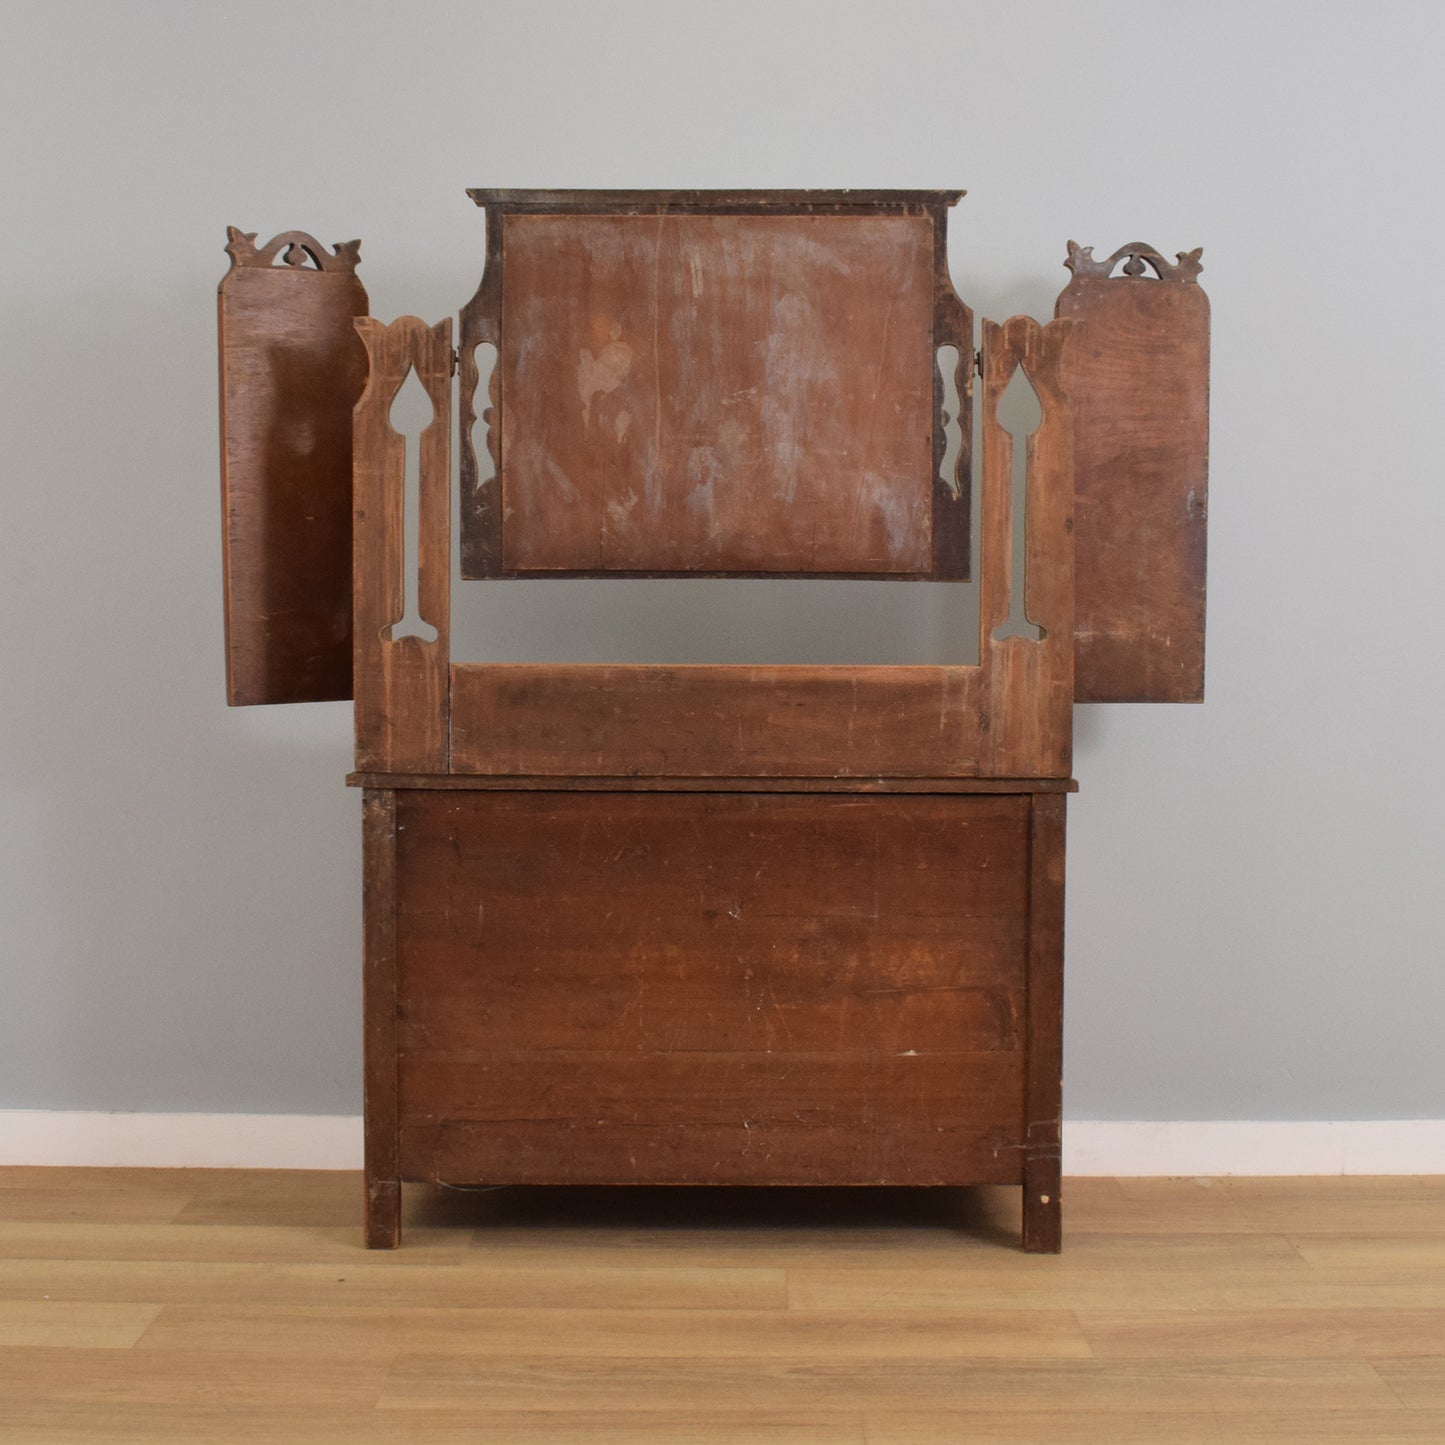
(383, 1213)
(1044, 1085)
(1043, 1217)
(378, 902)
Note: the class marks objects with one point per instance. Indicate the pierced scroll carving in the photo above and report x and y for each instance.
(293, 248)
(1135, 256)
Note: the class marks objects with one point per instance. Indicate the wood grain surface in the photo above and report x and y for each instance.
(402, 707)
(717, 394)
(1137, 375)
(696, 988)
(292, 368)
(805, 323)
(217, 1305)
(715, 721)
(1028, 682)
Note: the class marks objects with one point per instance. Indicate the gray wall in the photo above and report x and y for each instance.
(1254, 894)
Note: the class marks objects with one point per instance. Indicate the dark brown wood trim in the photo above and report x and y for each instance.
(952, 496)
(644, 202)
(383, 1176)
(481, 496)
(401, 684)
(1043, 1076)
(591, 784)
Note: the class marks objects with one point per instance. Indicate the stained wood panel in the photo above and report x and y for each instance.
(1137, 375)
(292, 368)
(1044, 1101)
(794, 1119)
(705, 987)
(383, 1178)
(402, 705)
(1027, 681)
(717, 393)
(716, 721)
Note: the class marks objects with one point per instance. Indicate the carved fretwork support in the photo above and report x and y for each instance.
(402, 694)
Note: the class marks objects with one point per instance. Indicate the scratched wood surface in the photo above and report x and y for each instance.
(1044, 1027)
(402, 677)
(717, 394)
(715, 721)
(379, 1019)
(211, 1306)
(1028, 682)
(1137, 373)
(695, 988)
(1009, 717)
(717, 784)
(292, 368)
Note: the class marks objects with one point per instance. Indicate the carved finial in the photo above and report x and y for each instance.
(294, 248)
(1189, 263)
(1135, 256)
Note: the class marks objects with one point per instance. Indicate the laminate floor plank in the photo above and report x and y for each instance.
(691, 1335)
(42, 1320)
(1423, 1253)
(1417, 1380)
(74, 1375)
(1344, 1330)
(194, 1425)
(382, 1281)
(1277, 1427)
(1027, 1388)
(1124, 1296)
(47, 1204)
(202, 1244)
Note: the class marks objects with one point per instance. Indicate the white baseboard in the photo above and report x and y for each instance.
(1091, 1147)
(180, 1141)
(1254, 1147)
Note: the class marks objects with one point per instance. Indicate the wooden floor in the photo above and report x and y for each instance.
(207, 1306)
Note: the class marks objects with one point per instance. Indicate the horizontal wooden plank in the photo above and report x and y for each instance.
(1067, 1387)
(697, 922)
(826, 722)
(577, 1001)
(658, 1332)
(601, 201)
(521, 782)
(747, 1152)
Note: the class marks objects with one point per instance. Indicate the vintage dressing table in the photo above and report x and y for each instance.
(647, 924)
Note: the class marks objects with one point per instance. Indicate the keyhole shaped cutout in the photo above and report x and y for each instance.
(411, 414)
(1020, 415)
